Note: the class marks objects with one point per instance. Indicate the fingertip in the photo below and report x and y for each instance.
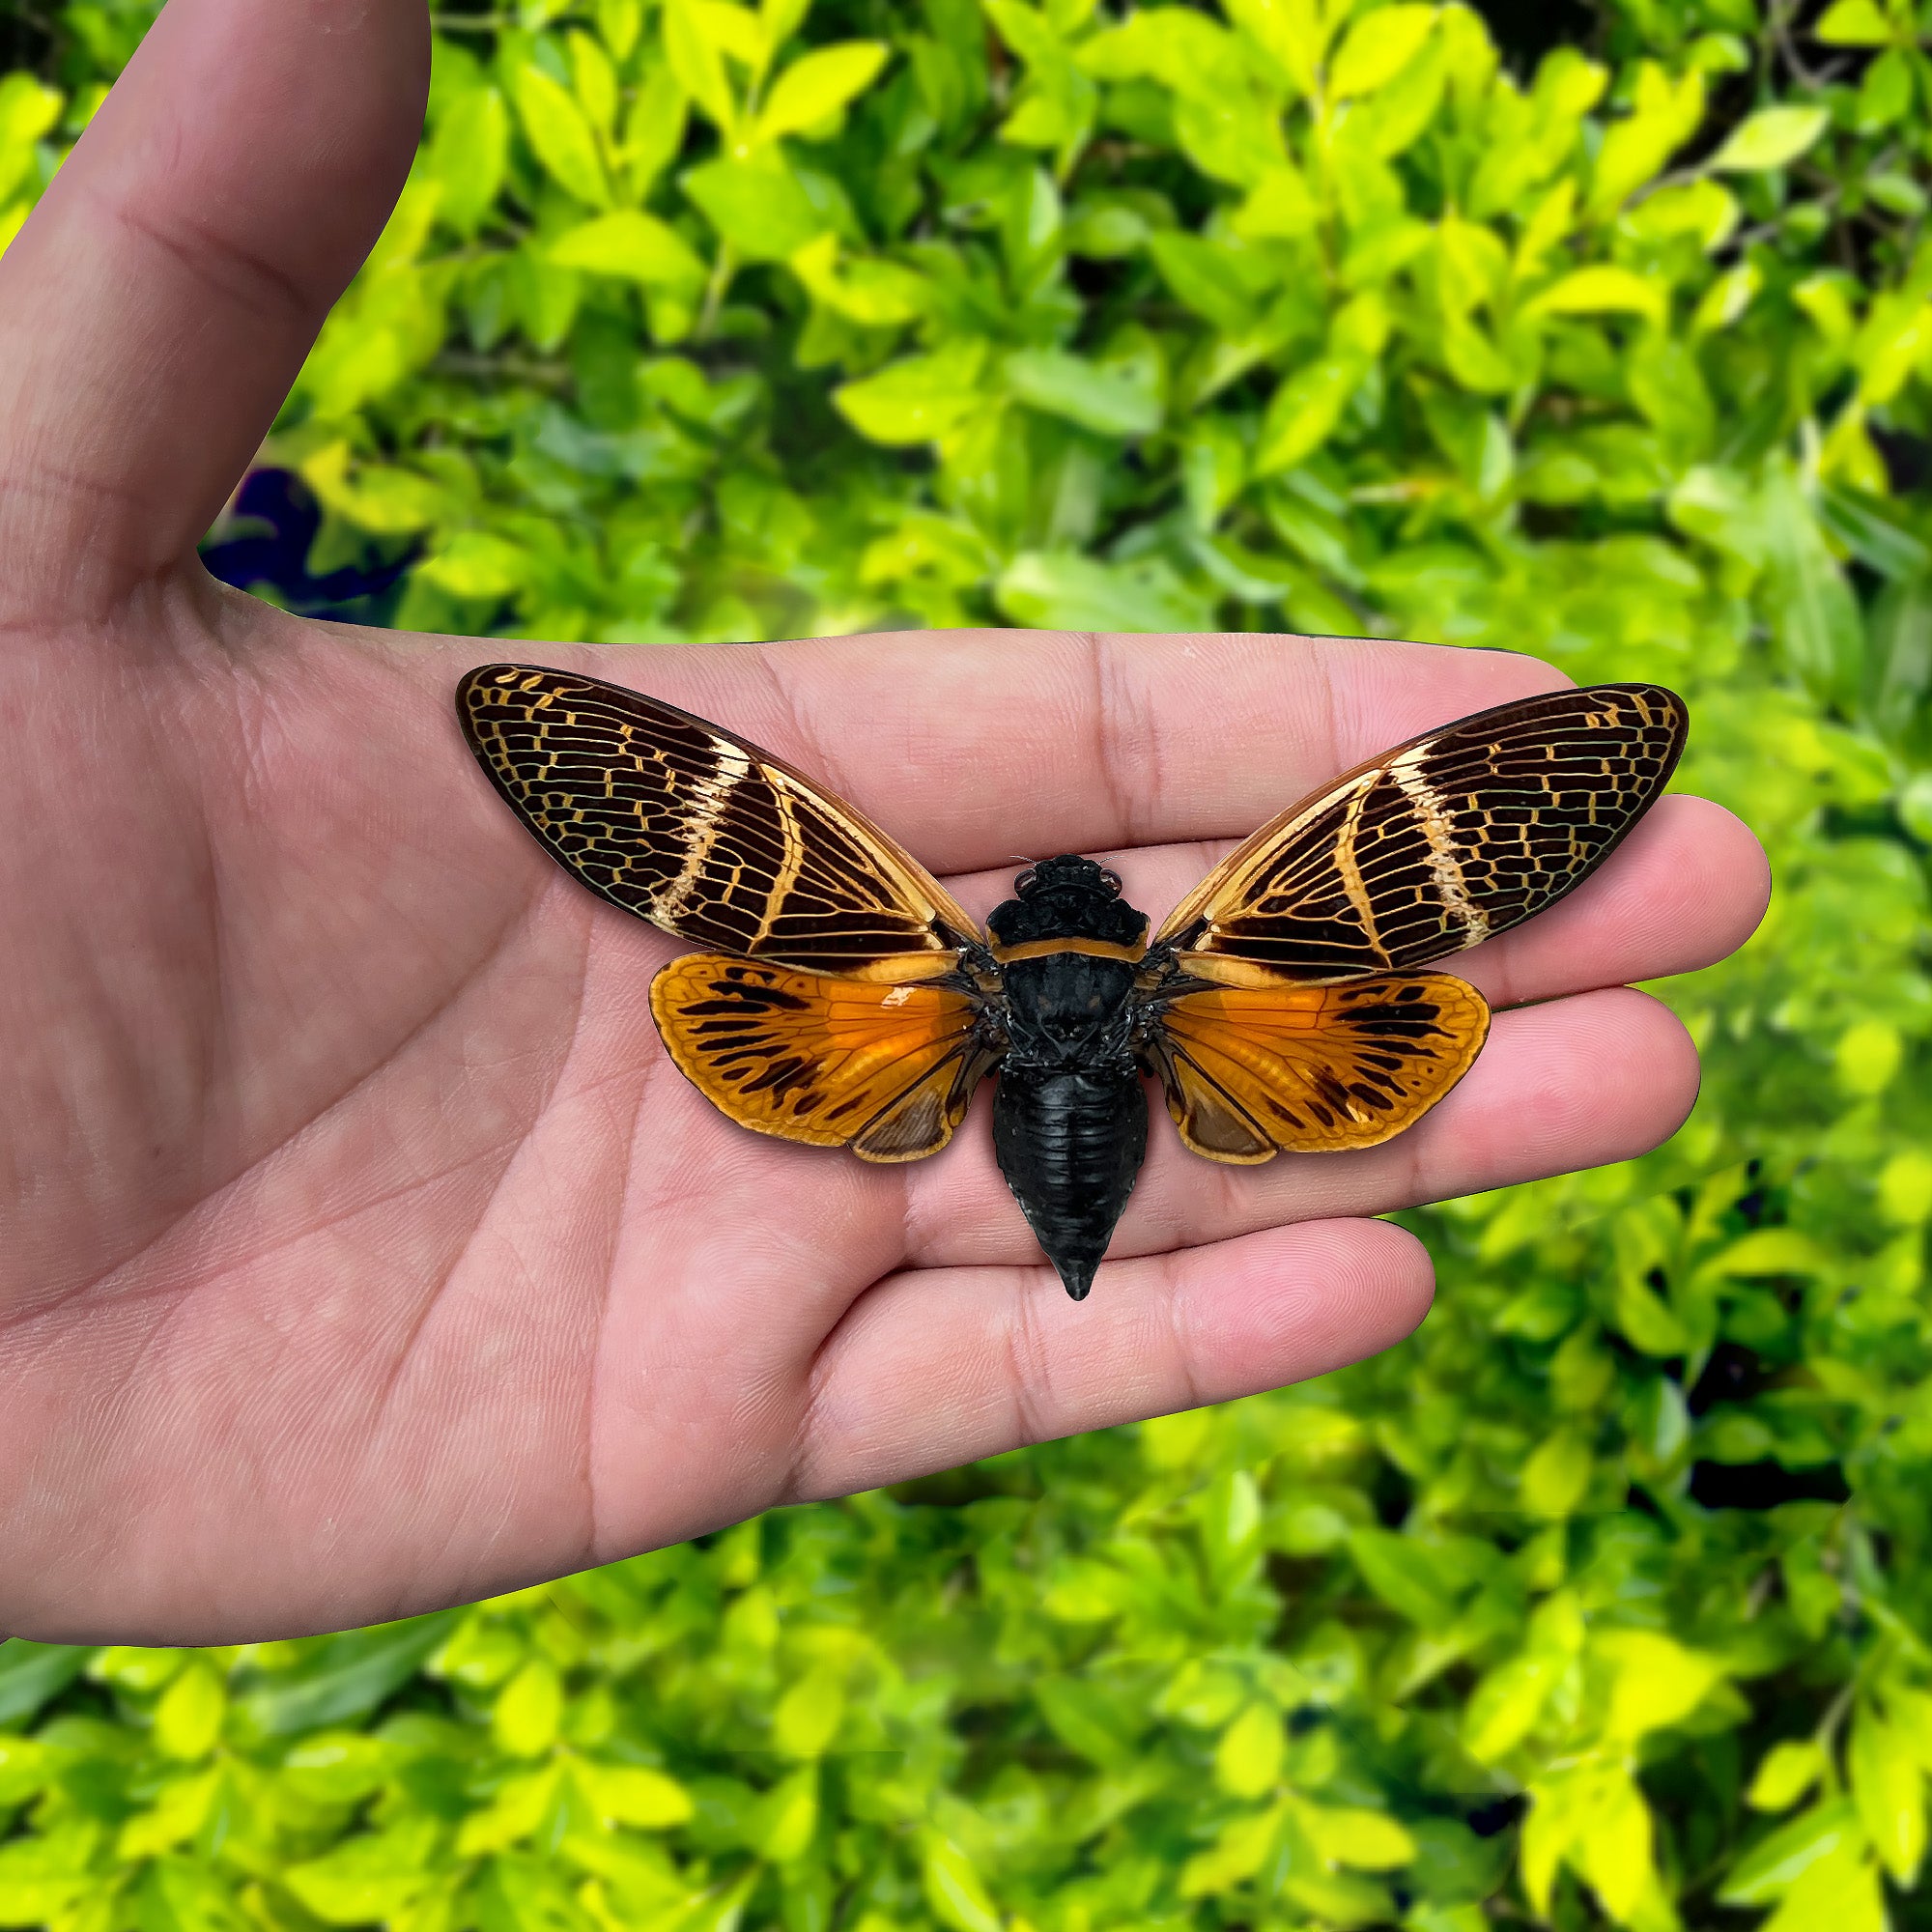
(1737, 856)
(1268, 1309)
(1582, 1082)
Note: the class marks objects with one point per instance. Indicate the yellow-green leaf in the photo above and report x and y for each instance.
(187, 1721)
(818, 86)
(808, 1715)
(1772, 137)
(955, 1889)
(790, 1817)
(1602, 289)
(1378, 47)
(1305, 411)
(1556, 1474)
(634, 1794)
(1889, 1790)
(1505, 1705)
(468, 157)
(1656, 1681)
(1869, 1054)
(1787, 1773)
(633, 244)
(918, 399)
(528, 1710)
(1355, 1836)
(1247, 1761)
(695, 58)
(1616, 1846)
(1852, 23)
(559, 135)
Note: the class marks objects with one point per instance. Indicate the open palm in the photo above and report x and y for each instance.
(359, 1249)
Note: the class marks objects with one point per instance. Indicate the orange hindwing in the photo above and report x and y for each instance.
(1253, 1071)
(886, 1070)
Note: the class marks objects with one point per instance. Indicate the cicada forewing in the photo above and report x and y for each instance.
(703, 833)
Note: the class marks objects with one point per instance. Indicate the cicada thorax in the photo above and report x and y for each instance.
(1071, 1118)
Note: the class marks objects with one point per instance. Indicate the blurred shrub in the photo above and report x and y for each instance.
(1606, 1598)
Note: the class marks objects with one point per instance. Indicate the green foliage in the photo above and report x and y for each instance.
(705, 321)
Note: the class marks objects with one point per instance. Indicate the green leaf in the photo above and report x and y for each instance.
(1905, 1188)
(1247, 1761)
(1556, 1475)
(31, 1673)
(188, 1718)
(469, 157)
(820, 86)
(1868, 1057)
(339, 1679)
(1378, 47)
(1772, 137)
(336, 1767)
(953, 1888)
(1665, 112)
(24, 1768)
(528, 1710)
(620, 22)
(1656, 1681)
(374, 1875)
(1104, 400)
(634, 246)
(1061, 591)
(28, 110)
(760, 206)
(919, 399)
(595, 82)
(1776, 1862)
(1238, 1853)
(1616, 1846)
(634, 1794)
(1889, 1790)
(1603, 289)
(1813, 609)
(1882, 534)
(1087, 1720)
(809, 1714)
(1785, 1774)
(561, 135)
(789, 1817)
(1362, 1839)
(183, 1895)
(1852, 23)
(1207, 277)
(1408, 1575)
(1304, 412)
(43, 1876)
(1506, 1706)
(697, 59)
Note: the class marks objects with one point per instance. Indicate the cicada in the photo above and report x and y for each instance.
(845, 997)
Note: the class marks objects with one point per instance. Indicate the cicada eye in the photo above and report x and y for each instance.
(1110, 878)
(1024, 884)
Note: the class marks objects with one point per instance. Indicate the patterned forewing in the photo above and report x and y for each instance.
(1440, 844)
(887, 1070)
(1254, 1071)
(702, 834)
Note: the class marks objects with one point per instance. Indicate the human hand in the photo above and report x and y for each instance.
(359, 1249)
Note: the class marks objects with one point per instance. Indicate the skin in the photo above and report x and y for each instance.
(359, 1249)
